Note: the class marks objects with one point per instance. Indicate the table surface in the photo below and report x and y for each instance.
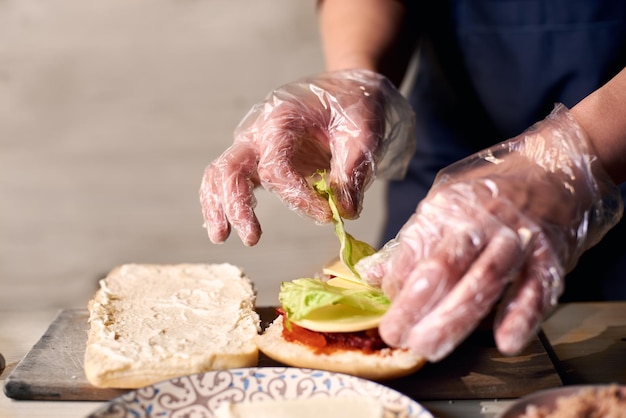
(588, 340)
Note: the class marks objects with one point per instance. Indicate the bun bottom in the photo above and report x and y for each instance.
(385, 365)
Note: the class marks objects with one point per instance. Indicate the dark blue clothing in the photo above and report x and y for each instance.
(487, 70)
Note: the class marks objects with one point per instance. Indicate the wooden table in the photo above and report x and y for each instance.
(588, 342)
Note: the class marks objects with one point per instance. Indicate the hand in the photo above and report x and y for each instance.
(344, 122)
(504, 225)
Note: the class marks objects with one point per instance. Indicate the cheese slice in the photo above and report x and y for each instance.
(346, 283)
(340, 318)
(327, 407)
(337, 268)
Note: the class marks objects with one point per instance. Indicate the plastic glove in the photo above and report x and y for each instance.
(344, 122)
(504, 225)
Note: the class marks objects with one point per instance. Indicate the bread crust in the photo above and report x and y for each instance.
(385, 365)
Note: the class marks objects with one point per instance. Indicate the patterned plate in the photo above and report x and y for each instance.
(199, 395)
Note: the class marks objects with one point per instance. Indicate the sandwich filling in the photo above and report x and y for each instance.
(367, 341)
(339, 311)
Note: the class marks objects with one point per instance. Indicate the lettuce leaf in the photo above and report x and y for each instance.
(352, 250)
(300, 297)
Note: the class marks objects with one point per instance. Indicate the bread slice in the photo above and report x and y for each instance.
(152, 322)
(384, 365)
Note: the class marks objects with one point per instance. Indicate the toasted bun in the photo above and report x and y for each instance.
(387, 364)
(150, 323)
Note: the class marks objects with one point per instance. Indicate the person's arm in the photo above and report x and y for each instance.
(602, 115)
(376, 35)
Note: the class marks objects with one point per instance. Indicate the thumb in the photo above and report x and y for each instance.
(373, 268)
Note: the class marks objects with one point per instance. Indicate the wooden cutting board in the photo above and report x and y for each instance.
(53, 368)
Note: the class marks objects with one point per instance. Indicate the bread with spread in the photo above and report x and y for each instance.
(151, 322)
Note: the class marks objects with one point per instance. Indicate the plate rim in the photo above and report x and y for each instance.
(124, 399)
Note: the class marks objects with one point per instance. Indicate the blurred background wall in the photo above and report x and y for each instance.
(109, 112)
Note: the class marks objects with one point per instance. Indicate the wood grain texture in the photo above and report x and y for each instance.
(53, 369)
(589, 339)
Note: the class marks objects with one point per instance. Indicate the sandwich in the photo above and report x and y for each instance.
(151, 322)
(331, 322)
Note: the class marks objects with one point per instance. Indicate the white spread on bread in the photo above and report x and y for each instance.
(167, 320)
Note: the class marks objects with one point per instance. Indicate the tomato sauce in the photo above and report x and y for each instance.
(368, 341)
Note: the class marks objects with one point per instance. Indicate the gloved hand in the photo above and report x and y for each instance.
(502, 226)
(344, 122)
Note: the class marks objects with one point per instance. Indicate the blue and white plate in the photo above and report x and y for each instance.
(200, 395)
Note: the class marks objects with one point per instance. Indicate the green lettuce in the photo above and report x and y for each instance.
(300, 297)
(352, 250)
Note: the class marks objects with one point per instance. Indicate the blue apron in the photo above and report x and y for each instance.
(487, 70)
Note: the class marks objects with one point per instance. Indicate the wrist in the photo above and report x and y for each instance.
(569, 152)
(601, 116)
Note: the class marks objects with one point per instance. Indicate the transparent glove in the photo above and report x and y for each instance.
(499, 227)
(344, 122)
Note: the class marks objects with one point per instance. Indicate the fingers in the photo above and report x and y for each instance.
(215, 220)
(529, 300)
(288, 157)
(451, 305)
(441, 229)
(427, 285)
(227, 198)
(275, 150)
(373, 268)
(423, 269)
(521, 316)
(355, 142)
